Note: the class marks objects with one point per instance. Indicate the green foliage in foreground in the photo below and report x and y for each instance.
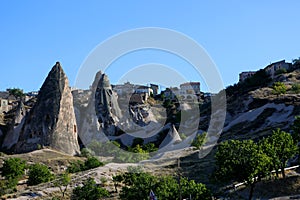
(280, 147)
(62, 182)
(89, 191)
(39, 173)
(138, 184)
(13, 168)
(246, 161)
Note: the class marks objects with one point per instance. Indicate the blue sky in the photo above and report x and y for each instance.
(238, 35)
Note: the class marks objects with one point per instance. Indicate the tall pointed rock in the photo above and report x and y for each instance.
(106, 105)
(51, 122)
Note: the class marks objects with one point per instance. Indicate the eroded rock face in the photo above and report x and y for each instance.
(106, 106)
(51, 122)
(14, 129)
(89, 128)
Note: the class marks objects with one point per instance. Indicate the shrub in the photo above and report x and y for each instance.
(85, 152)
(138, 184)
(63, 181)
(39, 173)
(296, 88)
(13, 168)
(89, 191)
(279, 88)
(76, 166)
(199, 140)
(92, 162)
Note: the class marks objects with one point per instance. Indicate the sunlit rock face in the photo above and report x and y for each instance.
(106, 106)
(51, 122)
(14, 127)
(88, 125)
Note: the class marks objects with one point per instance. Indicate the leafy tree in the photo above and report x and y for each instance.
(39, 173)
(138, 184)
(92, 162)
(296, 63)
(116, 180)
(76, 166)
(86, 152)
(234, 155)
(279, 88)
(62, 182)
(7, 186)
(296, 88)
(13, 168)
(280, 147)
(199, 140)
(89, 191)
(16, 92)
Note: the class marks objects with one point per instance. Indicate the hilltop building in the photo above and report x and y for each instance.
(245, 75)
(272, 68)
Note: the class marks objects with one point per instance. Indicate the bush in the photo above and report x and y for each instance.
(296, 88)
(85, 152)
(89, 191)
(13, 168)
(199, 140)
(39, 173)
(78, 166)
(138, 184)
(92, 162)
(8, 186)
(279, 88)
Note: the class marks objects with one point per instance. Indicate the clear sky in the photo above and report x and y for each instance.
(238, 35)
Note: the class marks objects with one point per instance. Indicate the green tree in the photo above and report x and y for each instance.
(16, 92)
(62, 182)
(89, 191)
(86, 152)
(199, 140)
(281, 148)
(296, 88)
(138, 184)
(13, 168)
(39, 173)
(279, 88)
(234, 155)
(92, 162)
(76, 166)
(7, 186)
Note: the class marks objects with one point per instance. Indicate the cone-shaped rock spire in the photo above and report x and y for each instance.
(51, 122)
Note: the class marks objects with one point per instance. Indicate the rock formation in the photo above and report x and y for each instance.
(171, 138)
(106, 106)
(51, 122)
(88, 126)
(14, 128)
